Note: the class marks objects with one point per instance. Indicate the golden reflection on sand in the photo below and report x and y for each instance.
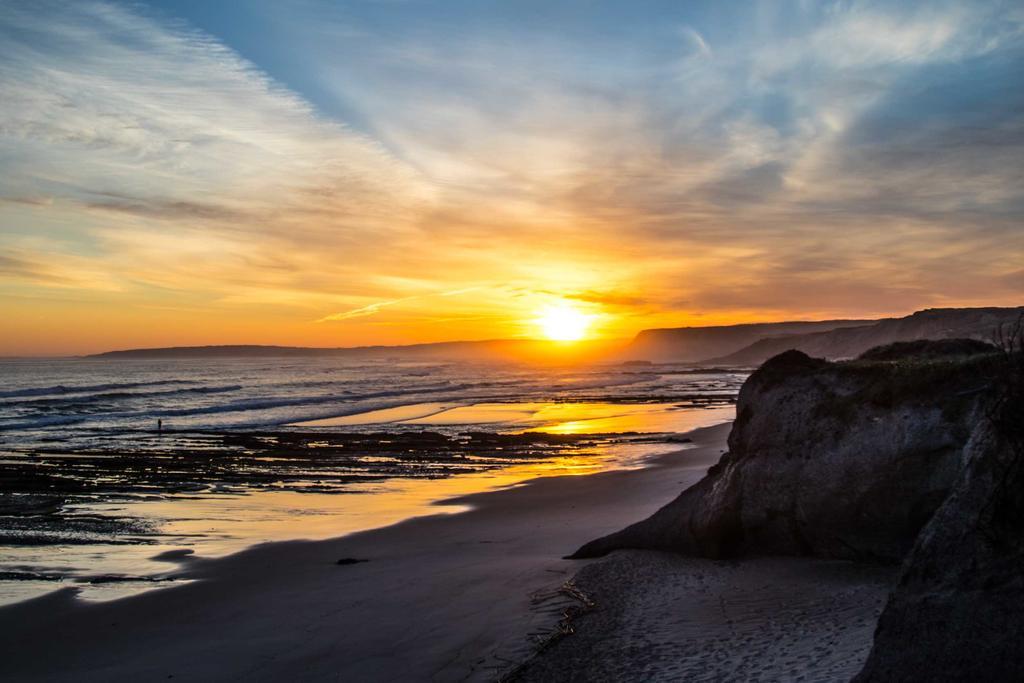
(228, 522)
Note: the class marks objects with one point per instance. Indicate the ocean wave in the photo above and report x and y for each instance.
(127, 421)
(284, 402)
(617, 381)
(83, 398)
(39, 422)
(83, 389)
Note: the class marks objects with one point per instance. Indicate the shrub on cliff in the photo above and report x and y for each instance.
(927, 349)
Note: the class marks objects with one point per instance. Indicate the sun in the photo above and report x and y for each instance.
(563, 322)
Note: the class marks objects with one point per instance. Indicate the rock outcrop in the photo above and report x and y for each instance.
(957, 611)
(841, 460)
(912, 453)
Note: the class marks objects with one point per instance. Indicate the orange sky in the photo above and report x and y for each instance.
(164, 186)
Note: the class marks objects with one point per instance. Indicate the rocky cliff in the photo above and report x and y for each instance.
(957, 611)
(844, 460)
(851, 341)
(694, 344)
(913, 453)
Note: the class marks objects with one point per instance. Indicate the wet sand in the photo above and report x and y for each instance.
(446, 597)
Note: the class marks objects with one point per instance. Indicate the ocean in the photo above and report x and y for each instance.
(113, 470)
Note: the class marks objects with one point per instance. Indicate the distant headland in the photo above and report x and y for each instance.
(728, 345)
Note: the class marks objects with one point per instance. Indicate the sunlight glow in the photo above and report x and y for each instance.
(563, 322)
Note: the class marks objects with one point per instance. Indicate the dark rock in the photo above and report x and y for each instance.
(350, 560)
(957, 612)
(175, 555)
(124, 578)
(842, 460)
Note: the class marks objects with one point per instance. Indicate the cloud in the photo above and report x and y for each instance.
(25, 269)
(610, 298)
(115, 110)
(176, 163)
(165, 209)
(377, 307)
(659, 162)
(701, 48)
(370, 309)
(61, 271)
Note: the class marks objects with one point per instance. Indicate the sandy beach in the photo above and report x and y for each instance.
(659, 616)
(444, 598)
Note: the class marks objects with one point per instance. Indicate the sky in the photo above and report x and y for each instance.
(394, 171)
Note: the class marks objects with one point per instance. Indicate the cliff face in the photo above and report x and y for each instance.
(915, 453)
(958, 606)
(693, 344)
(842, 460)
(957, 611)
(849, 342)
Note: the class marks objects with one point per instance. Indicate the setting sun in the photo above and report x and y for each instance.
(563, 322)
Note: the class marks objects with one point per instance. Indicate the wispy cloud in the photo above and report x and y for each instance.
(378, 306)
(370, 309)
(839, 159)
(24, 269)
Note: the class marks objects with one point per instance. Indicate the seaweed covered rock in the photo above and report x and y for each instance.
(843, 460)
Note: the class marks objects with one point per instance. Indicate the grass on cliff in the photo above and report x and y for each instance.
(916, 374)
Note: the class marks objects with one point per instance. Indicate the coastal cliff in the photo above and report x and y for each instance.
(912, 454)
(696, 344)
(840, 460)
(852, 341)
(957, 611)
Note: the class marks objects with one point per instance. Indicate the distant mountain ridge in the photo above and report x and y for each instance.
(849, 342)
(269, 350)
(487, 350)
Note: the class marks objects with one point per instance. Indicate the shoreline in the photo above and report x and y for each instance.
(267, 487)
(449, 594)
